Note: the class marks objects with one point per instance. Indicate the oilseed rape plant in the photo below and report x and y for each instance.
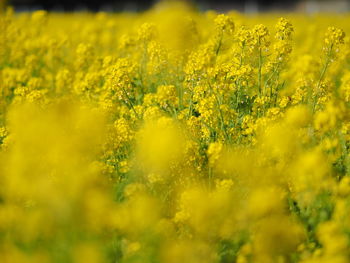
(174, 135)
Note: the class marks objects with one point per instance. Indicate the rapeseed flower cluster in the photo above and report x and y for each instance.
(174, 136)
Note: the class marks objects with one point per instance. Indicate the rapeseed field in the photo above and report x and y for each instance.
(174, 135)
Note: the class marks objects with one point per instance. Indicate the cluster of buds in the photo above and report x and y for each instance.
(284, 29)
(224, 23)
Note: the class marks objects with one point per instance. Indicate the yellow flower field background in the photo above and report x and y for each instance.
(174, 135)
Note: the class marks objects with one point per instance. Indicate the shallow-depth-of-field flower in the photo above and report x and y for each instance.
(174, 135)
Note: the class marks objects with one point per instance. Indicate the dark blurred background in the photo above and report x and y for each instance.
(248, 6)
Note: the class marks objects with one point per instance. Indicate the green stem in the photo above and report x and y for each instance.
(130, 103)
(323, 73)
(259, 69)
(219, 44)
